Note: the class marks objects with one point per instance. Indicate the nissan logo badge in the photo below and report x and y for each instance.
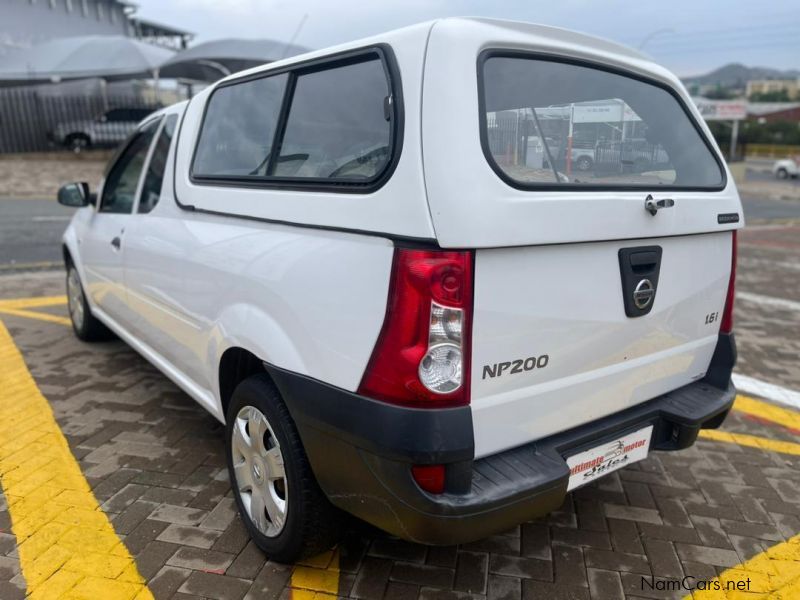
(643, 294)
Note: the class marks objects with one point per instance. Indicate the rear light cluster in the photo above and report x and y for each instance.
(430, 478)
(726, 326)
(422, 356)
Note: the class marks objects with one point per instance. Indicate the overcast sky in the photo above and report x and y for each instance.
(688, 36)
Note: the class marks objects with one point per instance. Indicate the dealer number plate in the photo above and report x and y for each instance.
(590, 464)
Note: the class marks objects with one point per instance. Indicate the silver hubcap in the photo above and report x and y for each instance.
(75, 298)
(259, 472)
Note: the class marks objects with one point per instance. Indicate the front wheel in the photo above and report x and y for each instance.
(282, 506)
(782, 173)
(78, 142)
(85, 325)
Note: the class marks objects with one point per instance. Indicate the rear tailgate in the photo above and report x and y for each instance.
(561, 252)
(556, 314)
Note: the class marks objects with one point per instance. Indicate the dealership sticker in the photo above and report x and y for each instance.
(590, 464)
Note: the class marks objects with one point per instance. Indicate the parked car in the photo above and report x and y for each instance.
(108, 129)
(787, 167)
(395, 319)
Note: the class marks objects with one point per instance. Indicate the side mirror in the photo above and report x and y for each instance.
(74, 194)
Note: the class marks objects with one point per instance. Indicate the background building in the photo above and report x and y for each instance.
(757, 88)
(23, 23)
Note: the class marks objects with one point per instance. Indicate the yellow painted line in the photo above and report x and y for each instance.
(18, 307)
(35, 302)
(31, 265)
(769, 412)
(774, 573)
(751, 441)
(39, 316)
(316, 578)
(67, 546)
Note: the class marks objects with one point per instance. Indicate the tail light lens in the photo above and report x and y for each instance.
(422, 355)
(726, 326)
(429, 477)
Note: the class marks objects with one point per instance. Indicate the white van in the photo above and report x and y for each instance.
(348, 258)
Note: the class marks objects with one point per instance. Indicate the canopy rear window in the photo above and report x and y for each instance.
(550, 124)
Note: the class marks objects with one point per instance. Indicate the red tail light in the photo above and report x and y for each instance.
(422, 355)
(726, 326)
(429, 477)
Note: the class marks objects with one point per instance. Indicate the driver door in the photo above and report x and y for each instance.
(102, 246)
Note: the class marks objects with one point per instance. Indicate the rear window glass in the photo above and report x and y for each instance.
(239, 127)
(548, 123)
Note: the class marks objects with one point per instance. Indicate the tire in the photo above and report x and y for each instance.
(85, 325)
(78, 142)
(584, 163)
(284, 510)
(782, 173)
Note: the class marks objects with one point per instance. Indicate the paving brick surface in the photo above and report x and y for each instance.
(155, 461)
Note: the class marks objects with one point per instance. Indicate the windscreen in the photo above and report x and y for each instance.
(549, 123)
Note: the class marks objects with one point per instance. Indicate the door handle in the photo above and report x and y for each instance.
(652, 205)
(643, 262)
(116, 242)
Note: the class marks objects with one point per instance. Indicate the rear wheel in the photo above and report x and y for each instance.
(85, 325)
(782, 173)
(282, 506)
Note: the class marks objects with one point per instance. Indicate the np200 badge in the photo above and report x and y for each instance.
(516, 366)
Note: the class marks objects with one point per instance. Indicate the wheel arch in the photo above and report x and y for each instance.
(235, 365)
(67, 255)
(78, 134)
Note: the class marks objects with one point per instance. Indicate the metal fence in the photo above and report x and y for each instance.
(629, 156)
(34, 122)
(771, 150)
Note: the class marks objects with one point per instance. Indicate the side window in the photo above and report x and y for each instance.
(154, 176)
(337, 126)
(317, 124)
(238, 128)
(122, 180)
(137, 114)
(117, 115)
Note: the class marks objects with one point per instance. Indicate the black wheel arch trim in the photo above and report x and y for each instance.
(411, 435)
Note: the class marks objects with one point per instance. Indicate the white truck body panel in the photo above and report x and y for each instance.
(564, 301)
(286, 274)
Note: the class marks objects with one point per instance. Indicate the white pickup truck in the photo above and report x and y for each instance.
(347, 258)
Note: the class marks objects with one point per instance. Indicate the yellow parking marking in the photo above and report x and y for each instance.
(35, 302)
(67, 546)
(39, 316)
(752, 441)
(18, 307)
(774, 573)
(769, 412)
(316, 578)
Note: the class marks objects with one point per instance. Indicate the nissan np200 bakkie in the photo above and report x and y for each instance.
(388, 268)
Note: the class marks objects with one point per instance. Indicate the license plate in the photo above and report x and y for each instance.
(590, 464)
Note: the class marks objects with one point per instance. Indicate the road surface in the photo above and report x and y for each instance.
(30, 230)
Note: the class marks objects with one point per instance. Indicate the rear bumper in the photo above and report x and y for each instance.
(361, 451)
